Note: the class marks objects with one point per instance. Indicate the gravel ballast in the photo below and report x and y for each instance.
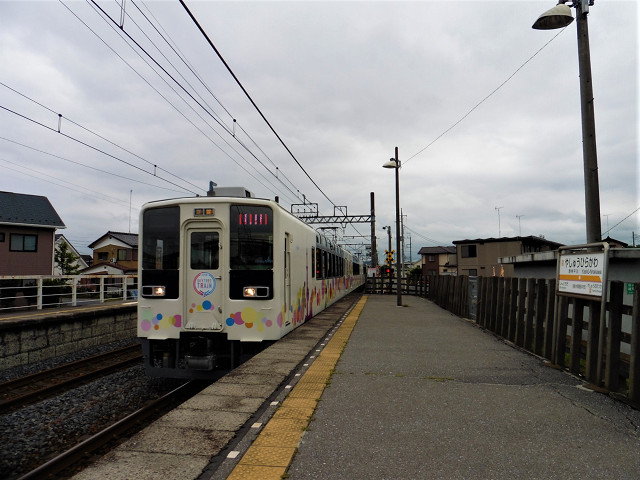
(35, 434)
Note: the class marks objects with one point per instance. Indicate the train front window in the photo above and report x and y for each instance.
(204, 250)
(161, 238)
(251, 237)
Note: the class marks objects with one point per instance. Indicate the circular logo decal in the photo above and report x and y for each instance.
(204, 284)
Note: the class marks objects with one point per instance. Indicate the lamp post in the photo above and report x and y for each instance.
(395, 163)
(559, 17)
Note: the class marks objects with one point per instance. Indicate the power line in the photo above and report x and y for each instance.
(620, 221)
(484, 99)
(436, 242)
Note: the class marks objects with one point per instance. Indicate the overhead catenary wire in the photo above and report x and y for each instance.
(168, 101)
(169, 41)
(195, 21)
(114, 24)
(77, 140)
(89, 166)
(94, 133)
(79, 188)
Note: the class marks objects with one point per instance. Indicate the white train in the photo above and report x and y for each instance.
(218, 274)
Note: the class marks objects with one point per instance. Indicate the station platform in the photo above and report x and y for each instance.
(414, 392)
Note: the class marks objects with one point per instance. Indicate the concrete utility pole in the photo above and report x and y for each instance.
(559, 17)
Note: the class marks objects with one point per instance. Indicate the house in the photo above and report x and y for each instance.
(438, 260)
(114, 253)
(481, 257)
(27, 227)
(79, 262)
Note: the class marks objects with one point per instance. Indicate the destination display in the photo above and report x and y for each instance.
(581, 273)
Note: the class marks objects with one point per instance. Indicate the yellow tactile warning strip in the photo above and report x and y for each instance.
(272, 451)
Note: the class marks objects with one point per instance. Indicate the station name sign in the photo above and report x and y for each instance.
(581, 273)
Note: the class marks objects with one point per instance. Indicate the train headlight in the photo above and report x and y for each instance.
(255, 292)
(158, 291)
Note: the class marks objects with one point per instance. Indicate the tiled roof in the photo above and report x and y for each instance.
(130, 239)
(22, 209)
(436, 250)
(529, 240)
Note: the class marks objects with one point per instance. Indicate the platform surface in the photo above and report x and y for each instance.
(422, 394)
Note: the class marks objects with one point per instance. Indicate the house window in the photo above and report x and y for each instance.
(469, 251)
(103, 256)
(23, 243)
(432, 258)
(1, 237)
(122, 254)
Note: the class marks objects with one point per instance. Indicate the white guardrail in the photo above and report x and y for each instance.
(35, 292)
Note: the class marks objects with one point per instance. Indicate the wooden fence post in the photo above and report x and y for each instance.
(506, 304)
(561, 331)
(634, 362)
(499, 305)
(612, 365)
(493, 291)
(548, 321)
(522, 292)
(593, 339)
(528, 318)
(576, 335)
(538, 334)
(513, 309)
(482, 304)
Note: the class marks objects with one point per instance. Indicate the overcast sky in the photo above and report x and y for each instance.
(343, 84)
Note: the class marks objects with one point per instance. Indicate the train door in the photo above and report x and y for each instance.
(287, 280)
(204, 288)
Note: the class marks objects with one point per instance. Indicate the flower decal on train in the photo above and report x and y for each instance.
(204, 306)
(250, 318)
(159, 321)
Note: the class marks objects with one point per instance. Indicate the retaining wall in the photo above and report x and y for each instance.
(25, 341)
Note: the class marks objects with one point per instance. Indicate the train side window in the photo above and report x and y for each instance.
(324, 264)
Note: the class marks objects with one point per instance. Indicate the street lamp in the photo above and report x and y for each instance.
(395, 163)
(559, 17)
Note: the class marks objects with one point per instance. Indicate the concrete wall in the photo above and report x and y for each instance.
(25, 341)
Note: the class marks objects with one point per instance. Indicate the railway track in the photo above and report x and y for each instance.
(72, 460)
(23, 391)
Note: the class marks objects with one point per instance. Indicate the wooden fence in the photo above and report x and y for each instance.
(410, 286)
(528, 313)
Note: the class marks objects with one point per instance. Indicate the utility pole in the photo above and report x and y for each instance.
(403, 244)
(499, 232)
(374, 251)
(519, 226)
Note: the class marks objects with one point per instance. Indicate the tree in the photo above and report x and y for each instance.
(65, 259)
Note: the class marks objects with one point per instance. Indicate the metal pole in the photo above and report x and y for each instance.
(590, 156)
(399, 289)
(387, 262)
(374, 251)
